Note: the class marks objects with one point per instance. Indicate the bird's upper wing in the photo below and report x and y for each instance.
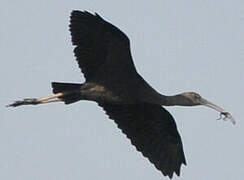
(101, 49)
(153, 131)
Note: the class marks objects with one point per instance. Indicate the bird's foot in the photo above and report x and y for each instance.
(226, 116)
(29, 101)
(35, 101)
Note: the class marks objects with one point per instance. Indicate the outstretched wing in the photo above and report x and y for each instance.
(101, 49)
(153, 131)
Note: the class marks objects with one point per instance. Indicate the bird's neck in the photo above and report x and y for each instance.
(175, 100)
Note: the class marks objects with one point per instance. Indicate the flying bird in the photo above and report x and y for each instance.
(111, 79)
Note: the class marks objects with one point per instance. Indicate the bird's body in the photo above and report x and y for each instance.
(103, 54)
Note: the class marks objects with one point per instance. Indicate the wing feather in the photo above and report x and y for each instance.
(152, 130)
(101, 49)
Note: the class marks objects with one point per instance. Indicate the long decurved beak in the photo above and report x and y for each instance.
(223, 112)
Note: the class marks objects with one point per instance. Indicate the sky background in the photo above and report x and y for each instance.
(177, 46)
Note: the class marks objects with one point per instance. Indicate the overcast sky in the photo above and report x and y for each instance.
(177, 46)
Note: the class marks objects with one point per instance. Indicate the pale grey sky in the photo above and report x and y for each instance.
(191, 45)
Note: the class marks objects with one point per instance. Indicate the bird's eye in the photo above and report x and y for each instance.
(197, 96)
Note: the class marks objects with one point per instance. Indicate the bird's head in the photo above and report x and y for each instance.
(193, 99)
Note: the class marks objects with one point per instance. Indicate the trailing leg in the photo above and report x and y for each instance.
(35, 101)
(66, 92)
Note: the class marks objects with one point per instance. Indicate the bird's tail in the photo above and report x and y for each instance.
(70, 91)
(66, 92)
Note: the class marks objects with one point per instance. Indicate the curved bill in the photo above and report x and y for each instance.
(225, 115)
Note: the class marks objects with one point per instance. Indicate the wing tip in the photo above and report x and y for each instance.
(170, 172)
(79, 13)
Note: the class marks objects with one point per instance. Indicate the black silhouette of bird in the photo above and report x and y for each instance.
(103, 54)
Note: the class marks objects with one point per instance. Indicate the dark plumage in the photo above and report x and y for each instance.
(153, 131)
(103, 54)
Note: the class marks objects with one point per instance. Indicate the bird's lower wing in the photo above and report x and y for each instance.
(153, 131)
